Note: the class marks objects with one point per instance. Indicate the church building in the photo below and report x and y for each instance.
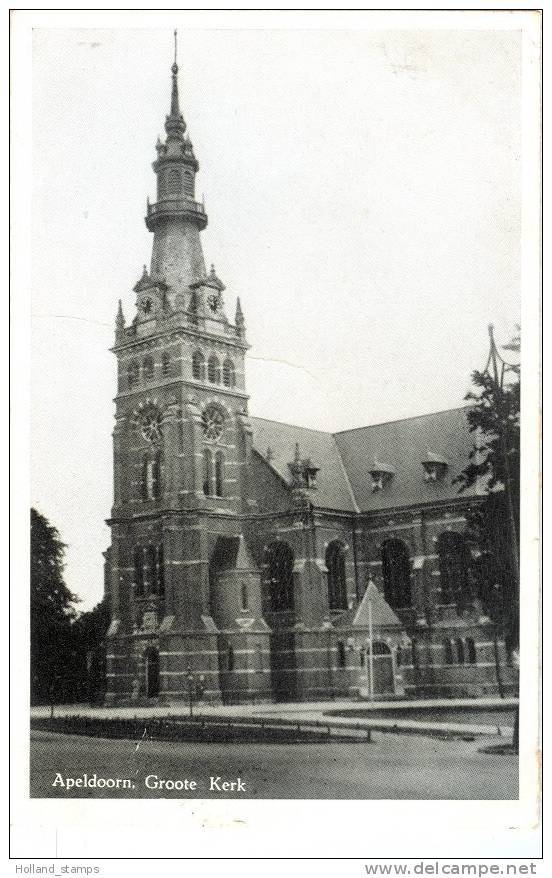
(253, 560)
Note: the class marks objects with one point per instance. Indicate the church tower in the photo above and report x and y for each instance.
(184, 592)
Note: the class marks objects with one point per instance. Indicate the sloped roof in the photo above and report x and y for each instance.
(404, 445)
(231, 553)
(333, 490)
(346, 458)
(359, 617)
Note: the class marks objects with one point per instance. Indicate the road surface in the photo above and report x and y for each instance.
(391, 767)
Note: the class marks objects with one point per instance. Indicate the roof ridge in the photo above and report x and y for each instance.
(346, 476)
(295, 426)
(459, 408)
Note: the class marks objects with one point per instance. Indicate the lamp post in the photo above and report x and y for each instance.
(370, 655)
(498, 605)
(89, 661)
(515, 734)
(190, 680)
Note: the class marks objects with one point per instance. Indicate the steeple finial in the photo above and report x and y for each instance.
(239, 319)
(175, 108)
(175, 49)
(175, 114)
(120, 318)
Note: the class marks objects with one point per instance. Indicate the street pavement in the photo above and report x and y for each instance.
(391, 767)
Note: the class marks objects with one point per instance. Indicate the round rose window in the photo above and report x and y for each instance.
(151, 426)
(213, 423)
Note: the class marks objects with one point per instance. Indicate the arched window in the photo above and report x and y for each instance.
(165, 365)
(145, 480)
(337, 581)
(454, 562)
(219, 469)
(207, 471)
(152, 672)
(341, 654)
(244, 596)
(459, 644)
(151, 475)
(415, 653)
(230, 658)
(156, 475)
(188, 183)
(449, 653)
(280, 576)
(133, 374)
(198, 366)
(160, 571)
(150, 569)
(228, 374)
(147, 368)
(396, 574)
(380, 648)
(174, 182)
(471, 656)
(139, 570)
(399, 656)
(213, 370)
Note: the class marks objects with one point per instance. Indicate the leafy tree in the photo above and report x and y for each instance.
(52, 611)
(494, 464)
(88, 633)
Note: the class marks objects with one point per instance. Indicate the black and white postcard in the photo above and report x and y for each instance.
(276, 285)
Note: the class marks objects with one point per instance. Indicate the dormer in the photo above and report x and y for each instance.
(310, 472)
(381, 474)
(303, 471)
(434, 466)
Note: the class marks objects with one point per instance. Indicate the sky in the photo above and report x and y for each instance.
(363, 193)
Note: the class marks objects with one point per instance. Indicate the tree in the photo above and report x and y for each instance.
(52, 611)
(494, 463)
(88, 632)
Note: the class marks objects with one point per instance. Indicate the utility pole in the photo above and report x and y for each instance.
(370, 663)
(190, 679)
(500, 616)
(498, 389)
(497, 376)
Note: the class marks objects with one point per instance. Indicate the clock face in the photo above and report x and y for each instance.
(213, 302)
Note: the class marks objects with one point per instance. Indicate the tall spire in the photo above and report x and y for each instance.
(174, 123)
(239, 319)
(176, 218)
(175, 109)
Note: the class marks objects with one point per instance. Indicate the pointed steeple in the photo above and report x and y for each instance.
(176, 218)
(175, 109)
(213, 280)
(120, 318)
(296, 469)
(119, 323)
(175, 125)
(239, 318)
